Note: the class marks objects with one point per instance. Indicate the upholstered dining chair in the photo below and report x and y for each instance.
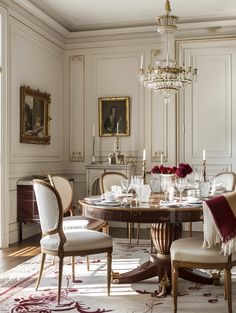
(65, 191)
(109, 179)
(64, 188)
(227, 179)
(56, 242)
(189, 253)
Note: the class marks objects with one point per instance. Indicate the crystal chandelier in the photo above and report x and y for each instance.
(166, 77)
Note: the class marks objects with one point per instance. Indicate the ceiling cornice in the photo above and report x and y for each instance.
(43, 17)
(24, 7)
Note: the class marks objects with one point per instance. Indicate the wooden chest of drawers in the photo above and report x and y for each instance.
(27, 210)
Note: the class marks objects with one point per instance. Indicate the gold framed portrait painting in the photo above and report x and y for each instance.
(34, 116)
(114, 116)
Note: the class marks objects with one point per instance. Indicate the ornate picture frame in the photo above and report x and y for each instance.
(34, 116)
(114, 116)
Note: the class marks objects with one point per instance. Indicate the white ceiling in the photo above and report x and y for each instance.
(78, 15)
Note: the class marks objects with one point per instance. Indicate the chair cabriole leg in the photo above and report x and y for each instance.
(73, 267)
(87, 259)
(229, 289)
(43, 256)
(60, 279)
(175, 284)
(109, 259)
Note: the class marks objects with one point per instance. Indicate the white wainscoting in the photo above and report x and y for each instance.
(37, 63)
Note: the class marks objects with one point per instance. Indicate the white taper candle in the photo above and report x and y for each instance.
(141, 65)
(161, 158)
(93, 130)
(204, 155)
(144, 154)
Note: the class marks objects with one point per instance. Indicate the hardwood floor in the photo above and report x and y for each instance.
(21, 251)
(28, 248)
(18, 253)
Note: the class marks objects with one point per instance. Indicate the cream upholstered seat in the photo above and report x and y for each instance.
(65, 191)
(227, 179)
(189, 253)
(56, 242)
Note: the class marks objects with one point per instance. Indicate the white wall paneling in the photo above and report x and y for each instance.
(206, 110)
(37, 63)
(114, 75)
(76, 124)
(107, 66)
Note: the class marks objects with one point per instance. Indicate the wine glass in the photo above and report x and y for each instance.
(165, 185)
(197, 176)
(125, 185)
(180, 184)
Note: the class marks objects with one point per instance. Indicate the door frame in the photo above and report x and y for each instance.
(4, 137)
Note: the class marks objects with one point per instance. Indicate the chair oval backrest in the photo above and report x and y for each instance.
(109, 179)
(48, 202)
(63, 187)
(227, 179)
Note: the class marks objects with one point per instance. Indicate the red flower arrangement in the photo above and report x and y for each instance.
(182, 170)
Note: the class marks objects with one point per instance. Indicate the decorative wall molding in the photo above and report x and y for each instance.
(206, 113)
(77, 103)
(4, 137)
(50, 65)
(114, 75)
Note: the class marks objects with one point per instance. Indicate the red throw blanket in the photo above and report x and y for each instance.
(220, 222)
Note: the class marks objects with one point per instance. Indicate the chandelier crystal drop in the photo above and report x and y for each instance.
(166, 77)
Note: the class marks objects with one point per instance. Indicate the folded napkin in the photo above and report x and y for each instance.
(220, 222)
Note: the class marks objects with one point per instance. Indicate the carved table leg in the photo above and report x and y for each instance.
(159, 265)
(163, 234)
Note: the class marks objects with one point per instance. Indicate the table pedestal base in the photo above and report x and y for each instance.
(163, 234)
(162, 269)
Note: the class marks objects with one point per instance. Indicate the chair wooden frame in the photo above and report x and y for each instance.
(61, 253)
(176, 264)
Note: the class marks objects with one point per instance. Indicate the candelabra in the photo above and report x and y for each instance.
(144, 171)
(93, 157)
(204, 170)
(117, 144)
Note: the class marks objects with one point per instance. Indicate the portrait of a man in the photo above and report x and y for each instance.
(114, 116)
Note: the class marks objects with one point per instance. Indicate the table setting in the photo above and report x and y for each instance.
(177, 186)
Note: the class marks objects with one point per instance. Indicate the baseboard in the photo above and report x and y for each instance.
(28, 230)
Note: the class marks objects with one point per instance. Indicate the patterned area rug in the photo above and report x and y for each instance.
(88, 294)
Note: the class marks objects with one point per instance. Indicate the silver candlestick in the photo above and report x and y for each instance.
(93, 157)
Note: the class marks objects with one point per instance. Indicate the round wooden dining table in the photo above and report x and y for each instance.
(166, 227)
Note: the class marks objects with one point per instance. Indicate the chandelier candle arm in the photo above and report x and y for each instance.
(93, 156)
(141, 65)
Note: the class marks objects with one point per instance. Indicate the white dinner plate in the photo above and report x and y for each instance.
(109, 203)
(193, 201)
(168, 203)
